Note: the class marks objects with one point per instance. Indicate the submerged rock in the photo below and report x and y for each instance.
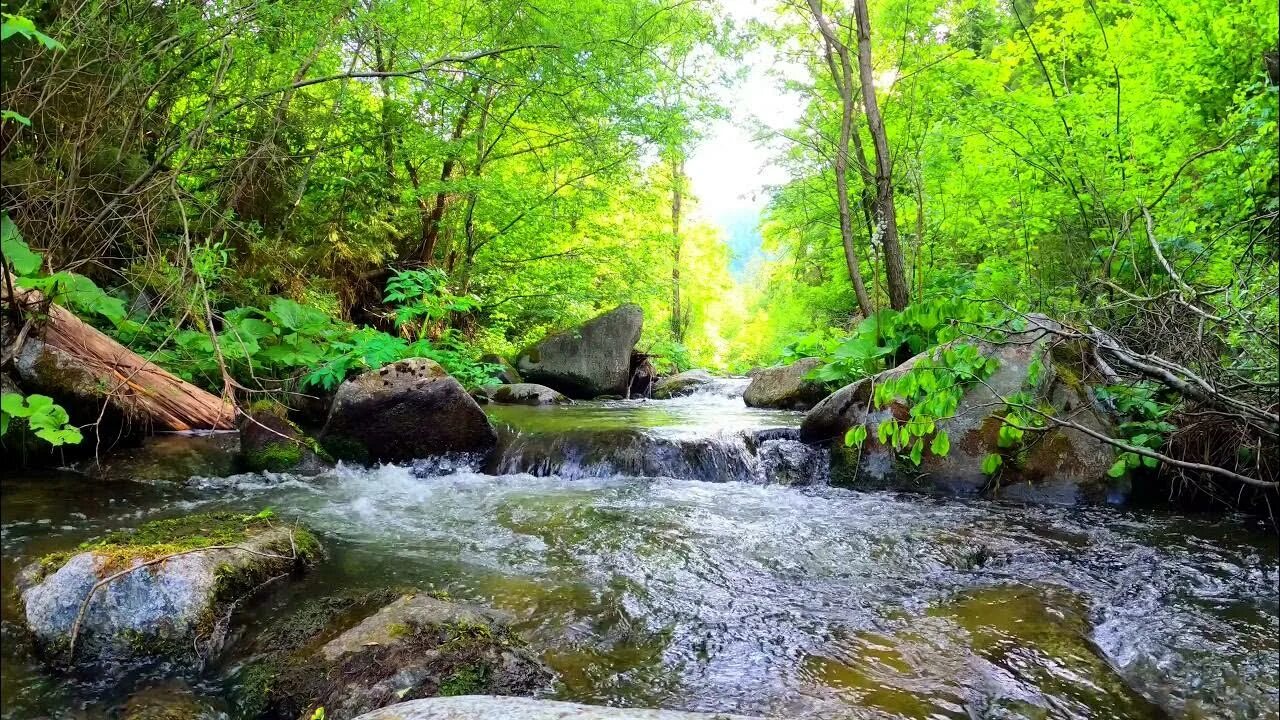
(170, 457)
(1056, 465)
(683, 383)
(176, 609)
(270, 441)
(511, 708)
(417, 646)
(593, 359)
(404, 411)
(785, 386)
(526, 394)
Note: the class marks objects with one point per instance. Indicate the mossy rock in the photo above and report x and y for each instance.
(415, 646)
(270, 442)
(177, 608)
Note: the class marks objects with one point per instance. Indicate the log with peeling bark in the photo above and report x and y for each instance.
(130, 383)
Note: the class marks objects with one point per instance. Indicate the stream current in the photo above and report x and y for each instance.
(688, 554)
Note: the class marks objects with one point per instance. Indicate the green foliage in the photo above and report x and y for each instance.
(48, 420)
(66, 288)
(422, 298)
(931, 390)
(670, 357)
(1144, 424)
(882, 337)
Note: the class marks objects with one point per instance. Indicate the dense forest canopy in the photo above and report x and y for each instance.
(263, 195)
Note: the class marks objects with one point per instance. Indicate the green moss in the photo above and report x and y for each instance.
(254, 686)
(398, 630)
(274, 457)
(267, 407)
(467, 680)
(166, 537)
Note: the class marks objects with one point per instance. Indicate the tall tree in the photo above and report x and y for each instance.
(886, 217)
(842, 76)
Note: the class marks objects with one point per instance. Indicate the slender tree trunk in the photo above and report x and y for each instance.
(431, 221)
(886, 215)
(677, 190)
(844, 83)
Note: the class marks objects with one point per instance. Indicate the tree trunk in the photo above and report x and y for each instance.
(677, 190)
(130, 383)
(431, 221)
(886, 215)
(844, 83)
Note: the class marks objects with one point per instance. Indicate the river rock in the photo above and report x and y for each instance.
(785, 386)
(407, 410)
(417, 646)
(177, 609)
(1056, 466)
(682, 384)
(270, 441)
(513, 708)
(526, 394)
(506, 373)
(593, 359)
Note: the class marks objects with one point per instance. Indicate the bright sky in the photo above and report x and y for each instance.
(729, 169)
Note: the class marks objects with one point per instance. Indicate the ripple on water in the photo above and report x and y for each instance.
(816, 602)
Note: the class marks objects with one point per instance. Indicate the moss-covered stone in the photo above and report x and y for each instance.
(197, 568)
(270, 442)
(328, 654)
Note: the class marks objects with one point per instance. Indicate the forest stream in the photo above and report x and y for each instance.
(654, 557)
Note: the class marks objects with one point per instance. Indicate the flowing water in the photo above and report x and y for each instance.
(764, 591)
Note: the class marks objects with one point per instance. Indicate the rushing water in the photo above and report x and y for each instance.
(739, 595)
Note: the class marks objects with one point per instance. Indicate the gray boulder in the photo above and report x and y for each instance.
(682, 384)
(417, 646)
(591, 360)
(176, 609)
(407, 410)
(513, 708)
(785, 387)
(1055, 466)
(526, 394)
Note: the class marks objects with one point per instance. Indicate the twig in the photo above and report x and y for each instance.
(84, 605)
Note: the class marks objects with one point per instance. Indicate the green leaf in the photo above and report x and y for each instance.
(991, 463)
(856, 436)
(16, 117)
(1118, 468)
(15, 249)
(917, 452)
(941, 444)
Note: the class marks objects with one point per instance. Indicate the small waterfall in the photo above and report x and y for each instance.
(773, 456)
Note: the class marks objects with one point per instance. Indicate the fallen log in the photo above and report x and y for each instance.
(64, 345)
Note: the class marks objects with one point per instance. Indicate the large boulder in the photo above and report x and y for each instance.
(407, 410)
(1056, 465)
(176, 609)
(591, 360)
(785, 386)
(683, 383)
(417, 646)
(513, 708)
(270, 441)
(525, 394)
